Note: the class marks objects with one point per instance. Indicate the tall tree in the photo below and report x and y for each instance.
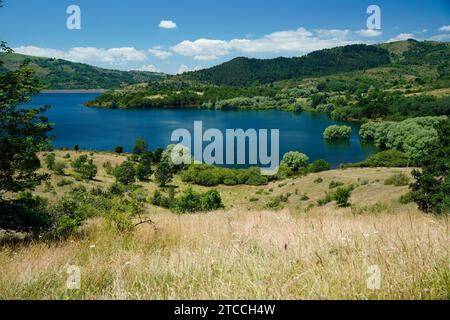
(23, 133)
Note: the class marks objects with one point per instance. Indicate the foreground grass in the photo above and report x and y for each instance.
(247, 252)
(241, 255)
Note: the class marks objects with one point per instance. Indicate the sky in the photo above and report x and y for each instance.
(178, 36)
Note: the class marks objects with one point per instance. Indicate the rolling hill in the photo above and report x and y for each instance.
(62, 74)
(245, 71)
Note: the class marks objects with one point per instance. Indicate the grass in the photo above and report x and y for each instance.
(246, 251)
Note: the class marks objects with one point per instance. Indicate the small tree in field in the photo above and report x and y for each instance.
(140, 147)
(118, 149)
(295, 160)
(85, 167)
(125, 173)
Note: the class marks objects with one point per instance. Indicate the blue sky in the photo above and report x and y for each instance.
(129, 34)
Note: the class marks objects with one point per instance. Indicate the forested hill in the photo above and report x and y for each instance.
(62, 74)
(245, 71)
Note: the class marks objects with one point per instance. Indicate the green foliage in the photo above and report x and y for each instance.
(118, 149)
(243, 71)
(25, 214)
(387, 158)
(140, 147)
(50, 161)
(295, 160)
(342, 196)
(85, 167)
(191, 201)
(334, 184)
(62, 74)
(125, 173)
(143, 171)
(431, 189)
(64, 182)
(318, 166)
(411, 136)
(59, 167)
(337, 132)
(207, 175)
(398, 180)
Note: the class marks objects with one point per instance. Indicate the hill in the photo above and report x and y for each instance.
(63, 74)
(245, 71)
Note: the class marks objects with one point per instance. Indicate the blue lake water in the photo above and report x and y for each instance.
(102, 129)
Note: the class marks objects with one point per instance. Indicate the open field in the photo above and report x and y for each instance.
(246, 251)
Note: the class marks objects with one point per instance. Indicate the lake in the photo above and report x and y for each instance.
(103, 129)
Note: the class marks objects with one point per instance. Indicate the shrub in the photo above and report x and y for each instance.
(325, 200)
(388, 158)
(85, 167)
(108, 168)
(118, 150)
(143, 171)
(318, 180)
(125, 173)
(50, 161)
(191, 201)
(59, 167)
(342, 196)
(295, 160)
(334, 184)
(398, 180)
(64, 182)
(318, 166)
(27, 213)
(140, 146)
(337, 132)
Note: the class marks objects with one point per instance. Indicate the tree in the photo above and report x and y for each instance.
(337, 132)
(125, 173)
(431, 190)
(118, 149)
(295, 160)
(140, 146)
(342, 196)
(143, 171)
(85, 167)
(164, 172)
(23, 133)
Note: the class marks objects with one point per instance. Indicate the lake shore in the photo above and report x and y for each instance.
(76, 91)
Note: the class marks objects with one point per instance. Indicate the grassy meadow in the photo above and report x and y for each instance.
(249, 250)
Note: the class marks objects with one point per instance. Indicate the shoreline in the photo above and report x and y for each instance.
(76, 91)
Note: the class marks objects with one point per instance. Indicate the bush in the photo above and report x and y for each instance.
(125, 173)
(295, 160)
(108, 168)
(85, 167)
(27, 213)
(50, 161)
(118, 149)
(337, 132)
(334, 184)
(64, 182)
(318, 180)
(388, 158)
(191, 201)
(398, 180)
(143, 171)
(59, 167)
(140, 146)
(318, 166)
(342, 196)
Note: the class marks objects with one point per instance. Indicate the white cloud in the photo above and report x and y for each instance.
(160, 54)
(403, 37)
(441, 37)
(445, 28)
(369, 33)
(113, 56)
(149, 68)
(167, 24)
(291, 41)
(183, 68)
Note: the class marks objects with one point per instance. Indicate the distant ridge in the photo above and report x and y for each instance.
(65, 75)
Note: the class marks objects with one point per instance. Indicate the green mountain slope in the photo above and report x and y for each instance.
(244, 71)
(62, 74)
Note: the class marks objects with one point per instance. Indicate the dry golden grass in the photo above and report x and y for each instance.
(246, 252)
